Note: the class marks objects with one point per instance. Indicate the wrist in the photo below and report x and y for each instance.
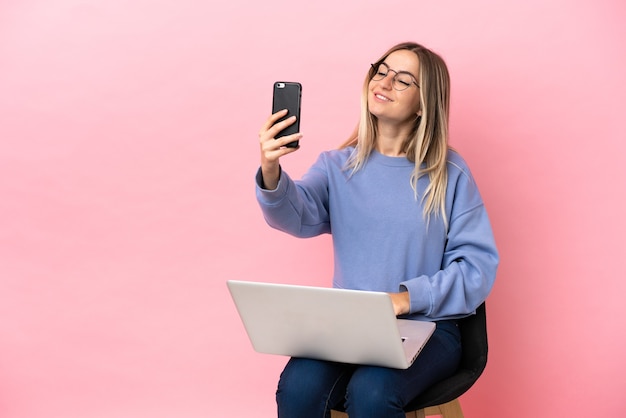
(270, 175)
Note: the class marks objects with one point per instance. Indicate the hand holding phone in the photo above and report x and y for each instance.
(288, 95)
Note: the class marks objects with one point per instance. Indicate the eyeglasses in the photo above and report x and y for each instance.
(402, 80)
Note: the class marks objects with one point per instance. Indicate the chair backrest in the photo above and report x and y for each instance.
(474, 341)
(473, 361)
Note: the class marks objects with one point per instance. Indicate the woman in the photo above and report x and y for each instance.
(406, 218)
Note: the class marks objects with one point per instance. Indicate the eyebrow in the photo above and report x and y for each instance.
(401, 72)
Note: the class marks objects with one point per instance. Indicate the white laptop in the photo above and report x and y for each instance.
(347, 326)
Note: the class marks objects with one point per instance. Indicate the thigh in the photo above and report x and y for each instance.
(371, 388)
(310, 388)
(439, 359)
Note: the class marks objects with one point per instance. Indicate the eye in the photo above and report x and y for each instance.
(404, 83)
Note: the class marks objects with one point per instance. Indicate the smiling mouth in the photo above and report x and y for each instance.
(383, 98)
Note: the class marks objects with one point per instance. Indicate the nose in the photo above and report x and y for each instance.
(387, 81)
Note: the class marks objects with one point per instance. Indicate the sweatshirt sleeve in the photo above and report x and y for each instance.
(469, 262)
(299, 208)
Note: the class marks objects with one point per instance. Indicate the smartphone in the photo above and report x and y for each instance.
(288, 95)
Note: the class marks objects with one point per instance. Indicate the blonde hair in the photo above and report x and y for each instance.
(427, 143)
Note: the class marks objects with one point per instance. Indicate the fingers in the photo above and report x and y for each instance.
(271, 127)
(272, 120)
(273, 148)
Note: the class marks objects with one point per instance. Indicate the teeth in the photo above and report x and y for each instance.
(382, 97)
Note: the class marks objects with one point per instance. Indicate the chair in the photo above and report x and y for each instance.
(442, 398)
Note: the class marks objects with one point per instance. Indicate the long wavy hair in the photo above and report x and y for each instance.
(427, 144)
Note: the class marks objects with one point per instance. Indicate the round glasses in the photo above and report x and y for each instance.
(402, 80)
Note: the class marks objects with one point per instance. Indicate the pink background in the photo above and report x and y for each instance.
(128, 146)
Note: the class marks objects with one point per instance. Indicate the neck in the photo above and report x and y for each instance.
(390, 150)
(390, 139)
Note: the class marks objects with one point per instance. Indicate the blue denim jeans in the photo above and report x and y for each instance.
(311, 388)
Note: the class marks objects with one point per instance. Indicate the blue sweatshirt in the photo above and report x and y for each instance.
(381, 239)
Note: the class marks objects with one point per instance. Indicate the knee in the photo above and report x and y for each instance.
(293, 400)
(294, 389)
(304, 389)
(369, 397)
